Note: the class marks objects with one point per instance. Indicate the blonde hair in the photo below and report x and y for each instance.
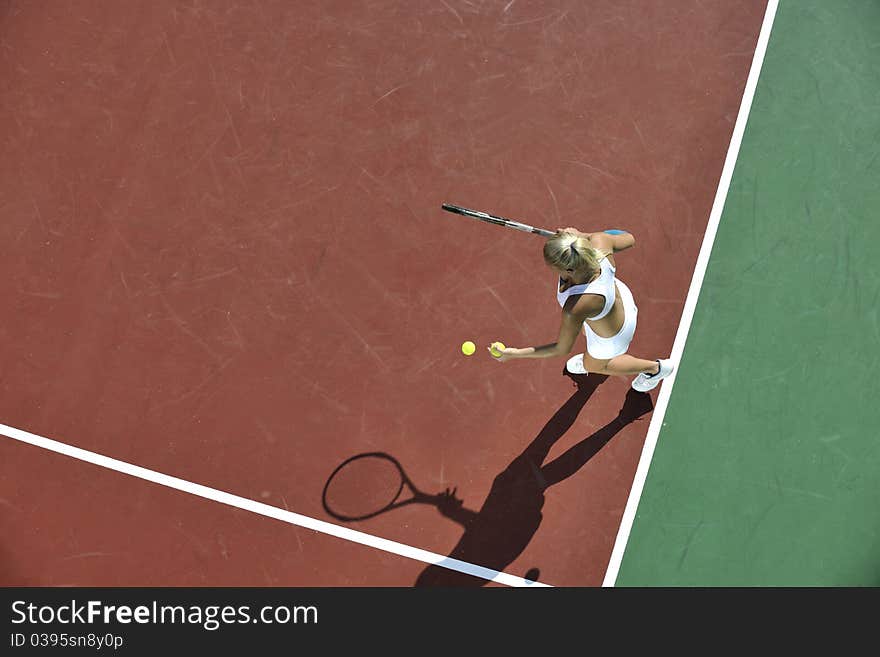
(568, 251)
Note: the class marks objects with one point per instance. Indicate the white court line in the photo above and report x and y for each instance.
(693, 294)
(267, 510)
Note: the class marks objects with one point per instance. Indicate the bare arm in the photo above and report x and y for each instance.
(612, 242)
(568, 333)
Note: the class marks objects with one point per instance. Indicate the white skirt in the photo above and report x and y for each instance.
(605, 348)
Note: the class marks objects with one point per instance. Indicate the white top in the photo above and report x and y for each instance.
(603, 285)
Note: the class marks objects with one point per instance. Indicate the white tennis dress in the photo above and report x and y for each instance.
(607, 286)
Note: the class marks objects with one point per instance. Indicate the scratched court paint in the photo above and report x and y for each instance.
(226, 261)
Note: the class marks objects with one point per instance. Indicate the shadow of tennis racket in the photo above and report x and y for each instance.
(365, 485)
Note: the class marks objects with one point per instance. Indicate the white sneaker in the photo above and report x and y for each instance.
(575, 365)
(644, 382)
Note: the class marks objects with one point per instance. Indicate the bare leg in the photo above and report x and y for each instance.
(626, 364)
(623, 365)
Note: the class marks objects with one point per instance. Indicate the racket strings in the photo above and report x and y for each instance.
(362, 487)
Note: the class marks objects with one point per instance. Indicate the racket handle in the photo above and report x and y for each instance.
(529, 229)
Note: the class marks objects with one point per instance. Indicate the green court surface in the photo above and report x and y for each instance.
(765, 472)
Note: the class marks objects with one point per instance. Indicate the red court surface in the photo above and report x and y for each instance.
(224, 259)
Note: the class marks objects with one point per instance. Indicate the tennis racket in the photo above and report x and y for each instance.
(368, 484)
(498, 221)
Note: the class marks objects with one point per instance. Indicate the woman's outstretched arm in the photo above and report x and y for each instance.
(568, 333)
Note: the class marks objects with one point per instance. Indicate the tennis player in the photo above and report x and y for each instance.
(593, 298)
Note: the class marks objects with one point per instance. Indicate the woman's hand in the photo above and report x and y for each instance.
(572, 230)
(506, 354)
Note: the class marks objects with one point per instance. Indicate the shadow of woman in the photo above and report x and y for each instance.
(498, 533)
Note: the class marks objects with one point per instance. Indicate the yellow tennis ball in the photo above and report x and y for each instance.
(467, 348)
(496, 348)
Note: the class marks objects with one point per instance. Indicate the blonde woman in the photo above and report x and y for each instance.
(593, 298)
